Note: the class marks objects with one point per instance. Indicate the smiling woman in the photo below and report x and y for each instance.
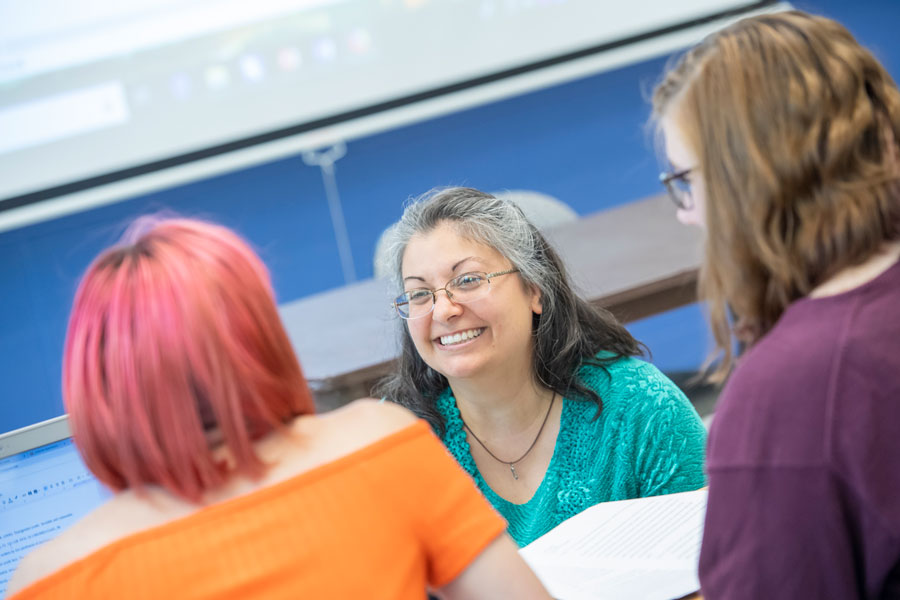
(185, 398)
(493, 335)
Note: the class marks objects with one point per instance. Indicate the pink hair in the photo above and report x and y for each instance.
(171, 334)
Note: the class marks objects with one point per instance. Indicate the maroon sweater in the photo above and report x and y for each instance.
(804, 456)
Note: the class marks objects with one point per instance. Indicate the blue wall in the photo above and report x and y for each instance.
(583, 142)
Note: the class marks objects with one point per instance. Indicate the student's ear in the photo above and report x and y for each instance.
(537, 306)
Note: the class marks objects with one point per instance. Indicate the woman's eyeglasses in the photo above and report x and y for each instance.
(679, 187)
(461, 289)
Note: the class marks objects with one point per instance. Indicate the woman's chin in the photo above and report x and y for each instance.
(459, 368)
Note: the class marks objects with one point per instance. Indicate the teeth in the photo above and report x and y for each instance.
(463, 336)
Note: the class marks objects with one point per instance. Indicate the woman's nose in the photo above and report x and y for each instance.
(444, 306)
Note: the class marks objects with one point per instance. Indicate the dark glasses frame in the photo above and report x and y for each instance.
(679, 196)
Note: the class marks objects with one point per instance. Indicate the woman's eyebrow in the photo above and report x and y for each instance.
(458, 263)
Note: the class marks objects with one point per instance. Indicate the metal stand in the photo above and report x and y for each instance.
(325, 160)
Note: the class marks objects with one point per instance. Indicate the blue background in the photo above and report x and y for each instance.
(583, 142)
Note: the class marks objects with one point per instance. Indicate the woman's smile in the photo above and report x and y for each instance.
(459, 338)
(472, 339)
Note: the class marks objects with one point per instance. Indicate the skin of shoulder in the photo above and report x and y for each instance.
(369, 419)
(332, 435)
(29, 569)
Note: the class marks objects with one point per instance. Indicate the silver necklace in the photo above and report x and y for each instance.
(512, 464)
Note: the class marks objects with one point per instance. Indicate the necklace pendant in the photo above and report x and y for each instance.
(512, 468)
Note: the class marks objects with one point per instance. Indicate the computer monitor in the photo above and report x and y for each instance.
(44, 488)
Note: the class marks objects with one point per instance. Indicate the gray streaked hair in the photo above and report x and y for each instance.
(567, 334)
(480, 217)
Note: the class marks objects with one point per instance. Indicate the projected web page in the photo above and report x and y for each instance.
(46, 35)
(114, 86)
(42, 492)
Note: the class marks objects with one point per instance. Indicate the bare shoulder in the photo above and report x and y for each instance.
(44, 560)
(363, 422)
(28, 571)
(378, 418)
(333, 435)
(126, 513)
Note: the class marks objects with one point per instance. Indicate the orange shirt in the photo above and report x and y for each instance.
(378, 523)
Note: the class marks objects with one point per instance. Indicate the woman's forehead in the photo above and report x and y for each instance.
(677, 151)
(441, 249)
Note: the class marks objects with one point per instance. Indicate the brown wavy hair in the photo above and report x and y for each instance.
(795, 127)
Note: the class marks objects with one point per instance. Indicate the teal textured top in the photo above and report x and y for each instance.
(647, 441)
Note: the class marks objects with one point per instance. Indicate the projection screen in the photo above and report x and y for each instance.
(98, 92)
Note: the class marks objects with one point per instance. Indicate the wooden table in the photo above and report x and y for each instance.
(636, 260)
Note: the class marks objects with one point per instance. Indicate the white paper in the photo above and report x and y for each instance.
(643, 549)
